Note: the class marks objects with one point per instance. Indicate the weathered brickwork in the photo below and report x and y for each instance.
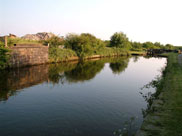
(28, 55)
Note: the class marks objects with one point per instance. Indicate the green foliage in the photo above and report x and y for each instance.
(169, 47)
(136, 46)
(57, 54)
(107, 43)
(168, 92)
(54, 41)
(4, 57)
(12, 41)
(108, 51)
(2, 42)
(120, 40)
(149, 45)
(84, 44)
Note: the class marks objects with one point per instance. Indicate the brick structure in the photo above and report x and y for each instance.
(28, 54)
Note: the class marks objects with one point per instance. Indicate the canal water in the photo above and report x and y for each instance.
(93, 98)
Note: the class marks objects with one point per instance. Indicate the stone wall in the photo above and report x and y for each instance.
(27, 55)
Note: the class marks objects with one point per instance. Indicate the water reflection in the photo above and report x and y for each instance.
(78, 98)
(16, 79)
(119, 65)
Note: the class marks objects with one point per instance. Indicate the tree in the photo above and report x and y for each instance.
(54, 41)
(84, 44)
(120, 40)
(149, 45)
(169, 47)
(136, 45)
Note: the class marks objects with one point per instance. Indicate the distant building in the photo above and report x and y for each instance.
(12, 36)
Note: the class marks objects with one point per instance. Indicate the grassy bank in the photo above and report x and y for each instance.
(59, 55)
(165, 114)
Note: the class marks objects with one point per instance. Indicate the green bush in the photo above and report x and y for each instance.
(120, 40)
(57, 54)
(108, 51)
(54, 41)
(84, 44)
(4, 57)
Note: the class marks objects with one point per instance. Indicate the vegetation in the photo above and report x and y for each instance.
(166, 102)
(54, 41)
(4, 57)
(84, 44)
(12, 41)
(120, 40)
(58, 55)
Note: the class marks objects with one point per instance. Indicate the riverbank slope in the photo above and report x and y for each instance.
(164, 116)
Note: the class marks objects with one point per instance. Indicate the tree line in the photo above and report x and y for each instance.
(88, 44)
(85, 45)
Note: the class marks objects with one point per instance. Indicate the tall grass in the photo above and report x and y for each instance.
(4, 57)
(58, 55)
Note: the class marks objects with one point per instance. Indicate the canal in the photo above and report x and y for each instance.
(93, 98)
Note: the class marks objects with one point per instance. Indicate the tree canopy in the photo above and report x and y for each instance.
(120, 40)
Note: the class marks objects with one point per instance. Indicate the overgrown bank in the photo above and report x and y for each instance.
(61, 55)
(165, 106)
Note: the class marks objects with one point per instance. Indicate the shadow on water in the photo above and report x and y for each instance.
(12, 81)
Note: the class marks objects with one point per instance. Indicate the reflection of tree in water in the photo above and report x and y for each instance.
(84, 71)
(14, 80)
(135, 58)
(56, 71)
(119, 65)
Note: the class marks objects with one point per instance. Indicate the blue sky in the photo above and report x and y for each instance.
(141, 20)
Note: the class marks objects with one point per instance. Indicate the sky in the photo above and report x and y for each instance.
(140, 20)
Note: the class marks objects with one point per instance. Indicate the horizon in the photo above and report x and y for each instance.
(141, 21)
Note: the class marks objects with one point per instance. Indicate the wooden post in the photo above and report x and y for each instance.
(6, 41)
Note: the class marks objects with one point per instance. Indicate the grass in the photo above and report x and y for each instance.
(172, 117)
(137, 52)
(58, 55)
(169, 91)
(12, 41)
(108, 51)
(4, 57)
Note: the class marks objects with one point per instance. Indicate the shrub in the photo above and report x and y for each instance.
(4, 57)
(57, 54)
(84, 44)
(120, 40)
(54, 41)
